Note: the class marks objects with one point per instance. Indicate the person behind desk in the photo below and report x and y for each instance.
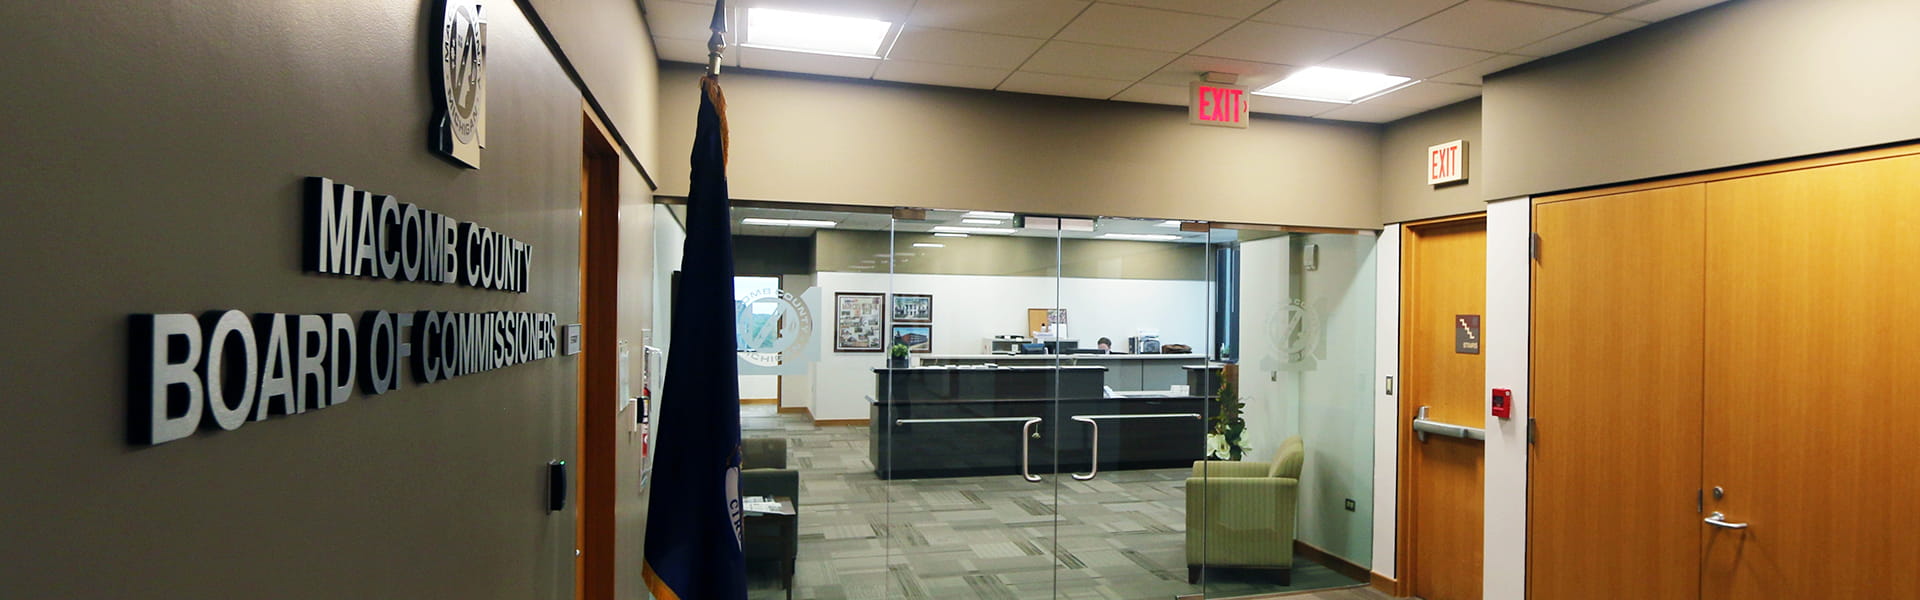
(1106, 346)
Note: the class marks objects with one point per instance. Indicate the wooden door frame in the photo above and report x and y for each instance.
(1404, 564)
(596, 460)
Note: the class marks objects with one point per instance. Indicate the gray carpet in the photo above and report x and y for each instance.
(1120, 536)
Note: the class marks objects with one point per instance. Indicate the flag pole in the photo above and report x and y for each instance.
(717, 44)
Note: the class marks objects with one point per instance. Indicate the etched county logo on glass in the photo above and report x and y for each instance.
(460, 120)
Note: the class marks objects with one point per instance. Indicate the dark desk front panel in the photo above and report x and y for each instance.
(950, 449)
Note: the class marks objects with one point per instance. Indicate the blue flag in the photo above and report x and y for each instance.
(694, 524)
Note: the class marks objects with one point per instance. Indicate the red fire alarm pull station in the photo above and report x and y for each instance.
(1503, 403)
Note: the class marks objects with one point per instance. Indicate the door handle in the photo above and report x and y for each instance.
(1091, 420)
(1095, 470)
(1719, 519)
(1026, 433)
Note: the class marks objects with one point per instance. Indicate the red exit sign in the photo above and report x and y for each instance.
(1447, 163)
(1217, 105)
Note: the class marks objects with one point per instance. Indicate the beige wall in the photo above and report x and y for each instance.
(609, 46)
(1748, 81)
(611, 52)
(153, 160)
(1404, 193)
(811, 139)
(1008, 255)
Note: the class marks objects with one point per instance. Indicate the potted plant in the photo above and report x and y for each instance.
(897, 356)
(1227, 430)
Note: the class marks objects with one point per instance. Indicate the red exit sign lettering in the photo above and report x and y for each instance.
(1217, 105)
(1447, 163)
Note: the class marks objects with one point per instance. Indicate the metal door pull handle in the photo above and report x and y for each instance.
(1423, 426)
(1026, 433)
(1719, 519)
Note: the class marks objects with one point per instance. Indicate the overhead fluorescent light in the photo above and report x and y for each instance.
(775, 29)
(1167, 224)
(927, 245)
(1324, 84)
(787, 222)
(949, 235)
(980, 221)
(1144, 237)
(987, 214)
(980, 230)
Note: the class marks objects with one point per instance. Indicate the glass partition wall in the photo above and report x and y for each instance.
(962, 404)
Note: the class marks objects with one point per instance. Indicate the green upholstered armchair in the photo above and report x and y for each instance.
(1240, 514)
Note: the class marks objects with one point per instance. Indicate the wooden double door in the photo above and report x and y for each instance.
(1721, 372)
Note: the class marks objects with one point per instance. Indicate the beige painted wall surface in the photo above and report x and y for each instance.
(608, 44)
(808, 139)
(1404, 193)
(1744, 82)
(152, 163)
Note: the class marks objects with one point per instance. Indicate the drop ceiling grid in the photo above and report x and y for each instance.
(1056, 47)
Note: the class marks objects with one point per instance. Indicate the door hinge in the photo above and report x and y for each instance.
(1533, 246)
(1533, 430)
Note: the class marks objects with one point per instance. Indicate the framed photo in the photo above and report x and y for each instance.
(918, 338)
(858, 322)
(913, 308)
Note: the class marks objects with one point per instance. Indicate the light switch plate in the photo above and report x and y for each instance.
(570, 339)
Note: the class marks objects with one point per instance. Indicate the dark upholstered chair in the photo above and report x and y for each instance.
(764, 472)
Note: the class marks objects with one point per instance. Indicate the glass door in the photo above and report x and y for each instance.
(1134, 296)
(966, 433)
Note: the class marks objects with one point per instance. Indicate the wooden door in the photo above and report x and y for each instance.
(1813, 285)
(1617, 348)
(1445, 278)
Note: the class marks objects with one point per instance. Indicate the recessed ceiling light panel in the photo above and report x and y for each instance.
(1323, 84)
(1142, 237)
(981, 230)
(775, 29)
(786, 222)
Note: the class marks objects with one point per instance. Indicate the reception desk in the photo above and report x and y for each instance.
(1124, 372)
(959, 421)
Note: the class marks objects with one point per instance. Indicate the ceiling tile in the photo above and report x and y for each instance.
(1063, 85)
(1288, 106)
(1100, 62)
(1474, 73)
(1282, 44)
(1406, 59)
(1371, 17)
(1026, 18)
(692, 51)
(1493, 25)
(1428, 95)
(801, 62)
(1592, 6)
(938, 74)
(1134, 27)
(1368, 112)
(963, 48)
(1237, 9)
(1580, 36)
(1661, 10)
(679, 20)
(892, 11)
(1187, 69)
(1153, 93)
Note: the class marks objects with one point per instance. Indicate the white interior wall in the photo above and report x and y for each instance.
(1335, 394)
(1386, 408)
(1506, 331)
(1272, 411)
(669, 243)
(968, 308)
